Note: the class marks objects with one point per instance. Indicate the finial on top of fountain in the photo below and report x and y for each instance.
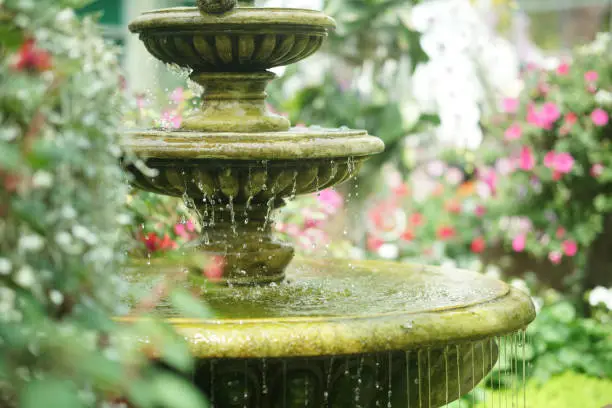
(215, 6)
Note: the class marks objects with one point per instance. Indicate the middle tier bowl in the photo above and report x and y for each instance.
(234, 181)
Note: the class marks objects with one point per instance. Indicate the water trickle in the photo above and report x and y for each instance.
(446, 372)
(306, 390)
(357, 391)
(420, 377)
(429, 385)
(328, 382)
(390, 374)
(408, 376)
(294, 188)
(245, 399)
(473, 353)
(212, 383)
(264, 382)
(232, 214)
(377, 384)
(269, 204)
(458, 351)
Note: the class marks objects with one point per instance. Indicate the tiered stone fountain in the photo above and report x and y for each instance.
(319, 333)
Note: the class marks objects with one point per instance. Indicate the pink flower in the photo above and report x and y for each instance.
(181, 231)
(526, 159)
(480, 211)
(177, 96)
(545, 117)
(549, 159)
(564, 162)
(216, 269)
(504, 166)
(550, 112)
(570, 248)
(599, 117)
(597, 170)
(489, 177)
(555, 257)
(171, 120)
(591, 76)
(561, 163)
(510, 105)
(190, 226)
(563, 69)
(331, 200)
(514, 132)
(518, 243)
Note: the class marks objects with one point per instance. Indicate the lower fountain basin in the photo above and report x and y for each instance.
(336, 329)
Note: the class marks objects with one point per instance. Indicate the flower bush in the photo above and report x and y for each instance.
(61, 207)
(550, 162)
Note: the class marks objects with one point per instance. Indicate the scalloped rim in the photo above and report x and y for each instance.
(183, 17)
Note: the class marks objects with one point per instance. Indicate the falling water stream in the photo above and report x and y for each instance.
(419, 378)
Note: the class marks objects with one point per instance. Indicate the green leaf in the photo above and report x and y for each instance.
(10, 157)
(177, 356)
(189, 306)
(50, 394)
(172, 391)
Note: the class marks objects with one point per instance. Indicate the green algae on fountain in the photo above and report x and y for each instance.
(299, 332)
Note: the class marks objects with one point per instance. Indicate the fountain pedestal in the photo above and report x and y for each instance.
(330, 333)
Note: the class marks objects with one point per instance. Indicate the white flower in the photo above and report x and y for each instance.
(65, 16)
(601, 295)
(603, 97)
(520, 285)
(25, 277)
(388, 251)
(56, 297)
(42, 179)
(68, 212)
(301, 4)
(31, 243)
(84, 234)
(124, 219)
(7, 301)
(493, 271)
(5, 266)
(63, 239)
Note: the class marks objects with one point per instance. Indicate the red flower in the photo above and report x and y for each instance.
(571, 118)
(453, 206)
(480, 211)
(401, 190)
(478, 245)
(446, 232)
(374, 243)
(154, 243)
(416, 219)
(560, 232)
(215, 270)
(32, 59)
(407, 235)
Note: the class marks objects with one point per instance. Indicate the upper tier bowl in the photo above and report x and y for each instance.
(241, 40)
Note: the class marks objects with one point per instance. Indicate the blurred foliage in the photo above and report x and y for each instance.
(567, 390)
(62, 204)
(373, 45)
